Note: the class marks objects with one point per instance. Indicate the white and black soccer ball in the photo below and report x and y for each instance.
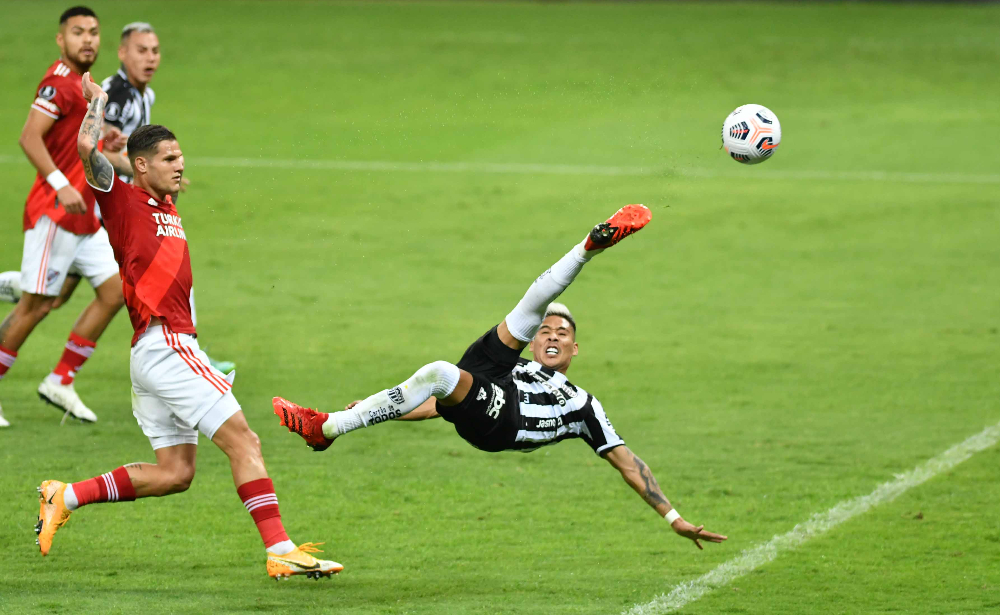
(751, 133)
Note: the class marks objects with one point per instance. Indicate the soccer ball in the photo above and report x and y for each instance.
(751, 133)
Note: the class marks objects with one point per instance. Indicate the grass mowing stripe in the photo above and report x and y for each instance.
(817, 525)
(527, 168)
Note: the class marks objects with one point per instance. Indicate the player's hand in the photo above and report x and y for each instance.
(91, 89)
(72, 200)
(114, 140)
(185, 182)
(694, 533)
(352, 404)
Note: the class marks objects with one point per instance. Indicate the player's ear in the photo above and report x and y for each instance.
(140, 164)
(121, 52)
(576, 349)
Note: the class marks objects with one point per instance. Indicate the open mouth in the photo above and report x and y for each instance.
(551, 351)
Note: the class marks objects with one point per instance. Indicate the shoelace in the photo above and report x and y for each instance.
(310, 547)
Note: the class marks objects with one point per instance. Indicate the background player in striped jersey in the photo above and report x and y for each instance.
(130, 102)
(175, 392)
(498, 401)
(62, 235)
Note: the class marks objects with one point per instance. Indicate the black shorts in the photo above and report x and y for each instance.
(487, 417)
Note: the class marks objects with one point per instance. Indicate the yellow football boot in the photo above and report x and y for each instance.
(52, 513)
(300, 561)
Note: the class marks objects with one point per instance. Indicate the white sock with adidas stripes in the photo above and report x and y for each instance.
(436, 379)
(524, 320)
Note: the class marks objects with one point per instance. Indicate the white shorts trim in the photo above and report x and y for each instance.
(175, 390)
(51, 253)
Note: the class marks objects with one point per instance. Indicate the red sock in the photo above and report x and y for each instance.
(7, 358)
(114, 486)
(78, 350)
(262, 504)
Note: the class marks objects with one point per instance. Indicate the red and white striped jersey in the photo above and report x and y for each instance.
(152, 253)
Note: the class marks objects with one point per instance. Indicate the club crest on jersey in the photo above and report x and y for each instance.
(47, 92)
(112, 112)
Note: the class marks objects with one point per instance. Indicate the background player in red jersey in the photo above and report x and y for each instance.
(174, 390)
(62, 235)
(130, 103)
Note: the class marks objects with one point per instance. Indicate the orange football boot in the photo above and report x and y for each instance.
(304, 421)
(627, 220)
(52, 513)
(300, 561)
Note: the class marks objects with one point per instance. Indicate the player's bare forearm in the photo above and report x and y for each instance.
(638, 475)
(426, 410)
(100, 172)
(33, 144)
(120, 162)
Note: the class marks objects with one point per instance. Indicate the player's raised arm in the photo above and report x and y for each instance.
(99, 171)
(638, 475)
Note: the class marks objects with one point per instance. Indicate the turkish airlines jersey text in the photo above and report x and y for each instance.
(152, 254)
(59, 96)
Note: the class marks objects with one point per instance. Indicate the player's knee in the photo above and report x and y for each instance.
(440, 375)
(35, 307)
(180, 479)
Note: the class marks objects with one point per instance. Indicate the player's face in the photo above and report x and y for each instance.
(79, 39)
(554, 345)
(140, 54)
(165, 168)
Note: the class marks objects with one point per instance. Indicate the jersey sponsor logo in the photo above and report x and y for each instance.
(381, 415)
(168, 225)
(396, 395)
(482, 394)
(497, 403)
(47, 92)
(112, 112)
(550, 423)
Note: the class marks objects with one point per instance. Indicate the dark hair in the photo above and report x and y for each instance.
(76, 11)
(145, 138)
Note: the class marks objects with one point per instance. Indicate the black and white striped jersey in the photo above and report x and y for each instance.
(127, 108)
(552, 409)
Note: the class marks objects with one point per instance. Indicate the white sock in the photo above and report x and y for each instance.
(524, 320)
(436, 379)
(281, 548)
(69, 496)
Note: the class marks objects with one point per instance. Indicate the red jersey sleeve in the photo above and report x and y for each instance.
(53, 97)
(114, 200)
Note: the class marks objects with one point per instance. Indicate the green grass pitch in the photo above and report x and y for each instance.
(779, 339)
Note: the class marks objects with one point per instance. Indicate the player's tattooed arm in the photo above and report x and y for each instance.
(637, 474)
(100, 173)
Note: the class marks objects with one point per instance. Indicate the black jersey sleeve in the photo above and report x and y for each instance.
(600, 433)
(118, 97)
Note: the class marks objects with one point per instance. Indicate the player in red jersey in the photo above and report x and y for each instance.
(62, 234)
(175, 391)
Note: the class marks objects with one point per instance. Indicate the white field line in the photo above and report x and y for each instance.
(817, 525)
(525, 168)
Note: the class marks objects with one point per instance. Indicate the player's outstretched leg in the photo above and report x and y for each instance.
(527, 316)
(284, 558)
(319, 429)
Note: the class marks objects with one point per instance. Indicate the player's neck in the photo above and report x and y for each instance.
(73, 66)
(156, 194)
(135, 82)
